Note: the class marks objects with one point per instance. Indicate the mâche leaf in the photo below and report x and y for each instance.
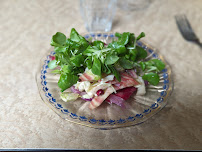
(74, 54)
(89, 51)
(152, 78)
(52, 64)
(142, 54)
(124, 38)
(142, 34)
(74, 36)
(115, 72)
(132, 40)
(118, 47)
(158, 63)
(77, 60)
(111, 58)
(58, 39)
(66, 81)
(57, 71)
(98, 44)
(155, 65)
(96, 68)
(133, 54)
(119, 35)
(142, 65)
(126, 64)
(67, 68)
(60, 49)
(106, 69)
(89, 62)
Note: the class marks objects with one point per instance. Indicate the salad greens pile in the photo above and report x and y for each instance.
(74, 54)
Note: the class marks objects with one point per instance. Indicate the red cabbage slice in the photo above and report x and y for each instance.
(121, 96)
(74, 90)
(87, 99)
(116, 100)
(126, 92)
(146, 82)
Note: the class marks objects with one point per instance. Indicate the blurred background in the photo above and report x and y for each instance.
(26, 29)
(39, 20)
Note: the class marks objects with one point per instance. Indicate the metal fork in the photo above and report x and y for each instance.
(186, 29)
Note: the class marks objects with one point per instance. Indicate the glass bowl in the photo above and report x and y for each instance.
(138, 108)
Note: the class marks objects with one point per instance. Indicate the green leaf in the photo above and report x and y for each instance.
(115, 72)
(127, 56)
(96, 68)
(126, 64)
(67, 68)
(149, 63)
(152, 78)
(58, 39)
(98, 44)
(52, 64)
(152, 68)
(82, 43)
(158, 63)
(89, 51)
(77, 70)
(106, 69)
(57, 71)
(118, 35)
(155, 65)
(119, 48)
(66, 81)
(118, 67)
(77, 60)
(62, 58)
(142, 34)
(76, 53)
(59, 49)
(89, 62)
(72, 44)
(132, 40)
(111, 58)
(74, 36)
(142, 65)
(124, 38)
(133, 54)
(142, 54)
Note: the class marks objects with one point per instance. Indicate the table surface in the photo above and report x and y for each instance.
(26, 28)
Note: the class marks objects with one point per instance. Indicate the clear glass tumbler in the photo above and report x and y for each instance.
(98, 14)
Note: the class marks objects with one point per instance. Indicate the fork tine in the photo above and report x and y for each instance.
(188, 25)
(182, 22)
(185, 27)
(187, 22)
(186, 30)
(180, 26)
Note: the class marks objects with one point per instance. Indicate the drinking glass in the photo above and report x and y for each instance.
(98, 14)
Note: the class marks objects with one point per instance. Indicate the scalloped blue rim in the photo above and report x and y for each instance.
(102, 122)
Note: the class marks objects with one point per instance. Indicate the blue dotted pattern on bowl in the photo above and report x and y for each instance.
(102, 122)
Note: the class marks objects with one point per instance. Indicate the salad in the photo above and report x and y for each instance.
(97, 72)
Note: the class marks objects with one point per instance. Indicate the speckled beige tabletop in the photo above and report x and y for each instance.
(26, 121)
